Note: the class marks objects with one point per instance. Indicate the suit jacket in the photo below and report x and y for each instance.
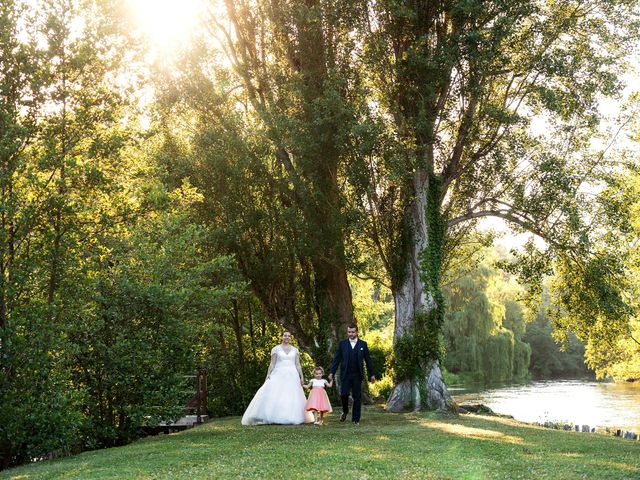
(341, 359)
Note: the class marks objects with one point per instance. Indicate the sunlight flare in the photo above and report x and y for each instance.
(168, 24)
(476, 433)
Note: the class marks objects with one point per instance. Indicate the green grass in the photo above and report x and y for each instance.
(411, 446)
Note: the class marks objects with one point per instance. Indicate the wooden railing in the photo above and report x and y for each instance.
(198, 402)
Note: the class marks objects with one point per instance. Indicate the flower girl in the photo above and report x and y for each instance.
(318, 401)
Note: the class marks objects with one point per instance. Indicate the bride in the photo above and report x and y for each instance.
(280, 399)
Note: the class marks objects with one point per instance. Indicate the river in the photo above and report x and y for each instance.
(582, 402)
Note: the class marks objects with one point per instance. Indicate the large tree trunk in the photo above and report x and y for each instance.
(333, 298)
(334, 308)
(411, 297)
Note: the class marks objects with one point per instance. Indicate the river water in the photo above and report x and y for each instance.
(583, 402)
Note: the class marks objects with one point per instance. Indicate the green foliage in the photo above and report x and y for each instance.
(500, 346)
(522, 353)
(414, 350)
(373, 307)
(62, 163)
(548, 359)
(382, 388)
(599, 302)
(484, 325)
(105, 281)
(40, 414)
(488, 337)
(136, 343)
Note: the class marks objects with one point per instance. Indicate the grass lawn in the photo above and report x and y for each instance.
(391, 446)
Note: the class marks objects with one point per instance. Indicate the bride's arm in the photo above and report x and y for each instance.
(271, 365)
(299, 368)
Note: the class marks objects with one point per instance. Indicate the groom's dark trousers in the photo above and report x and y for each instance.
(352, 383)
(351, 362)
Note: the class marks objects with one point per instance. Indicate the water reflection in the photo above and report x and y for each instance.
(577, 401)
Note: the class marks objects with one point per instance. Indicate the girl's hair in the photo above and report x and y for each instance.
(318, 368)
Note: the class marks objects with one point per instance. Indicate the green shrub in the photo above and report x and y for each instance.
(382, 388)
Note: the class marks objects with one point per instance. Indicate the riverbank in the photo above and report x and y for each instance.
(575, 401)
(419, 446)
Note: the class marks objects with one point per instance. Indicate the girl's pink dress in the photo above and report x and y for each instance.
(318, 399)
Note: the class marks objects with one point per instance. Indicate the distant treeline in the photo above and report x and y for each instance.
(487, 336)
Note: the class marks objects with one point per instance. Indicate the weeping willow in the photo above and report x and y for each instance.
(483, 328)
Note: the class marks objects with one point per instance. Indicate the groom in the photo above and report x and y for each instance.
(349, 357)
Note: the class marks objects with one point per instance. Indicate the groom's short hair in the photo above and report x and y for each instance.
(354, 326)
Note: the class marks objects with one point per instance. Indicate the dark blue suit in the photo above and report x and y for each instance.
(351, 362)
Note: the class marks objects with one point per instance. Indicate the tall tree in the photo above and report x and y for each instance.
(455, 84)
(280, 112)
(61, 142)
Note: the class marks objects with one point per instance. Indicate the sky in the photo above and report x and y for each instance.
(167, 23)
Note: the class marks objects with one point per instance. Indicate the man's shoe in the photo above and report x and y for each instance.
(343, 417)
(355, 424)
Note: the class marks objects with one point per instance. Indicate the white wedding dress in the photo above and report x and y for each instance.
(280, 399)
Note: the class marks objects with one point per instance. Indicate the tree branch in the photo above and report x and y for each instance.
(512, 217)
